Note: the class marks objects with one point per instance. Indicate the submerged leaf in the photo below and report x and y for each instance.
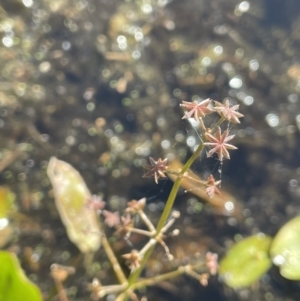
(14, 286)
(71, 199)
(224, 203)
(285, 249)
(246, 261)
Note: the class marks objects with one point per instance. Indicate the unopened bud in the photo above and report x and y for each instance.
(176, 232)
(176, 214)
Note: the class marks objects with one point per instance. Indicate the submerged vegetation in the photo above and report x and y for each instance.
(97, 86)
(77, 209)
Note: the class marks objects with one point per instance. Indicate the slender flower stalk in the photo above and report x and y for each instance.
(188, 269)
(114, 262)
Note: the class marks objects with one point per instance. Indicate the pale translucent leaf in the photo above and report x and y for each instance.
(71, 199)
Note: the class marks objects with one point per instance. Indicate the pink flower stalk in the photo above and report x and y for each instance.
(219, 144)
(196, 109)
(228, 113)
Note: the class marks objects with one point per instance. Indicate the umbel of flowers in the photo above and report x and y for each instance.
(212, 137)
(205, 265)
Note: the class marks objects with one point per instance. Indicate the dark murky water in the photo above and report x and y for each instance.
(98, 84)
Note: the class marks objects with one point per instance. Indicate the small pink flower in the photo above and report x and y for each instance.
(211, 261)
(196, 109)
(111, 218)
(96, 203)
(135, 206)
(133, 259)
(125, 226)
(204, 279)
(156, 169)
(219, 144)
(228, 113)
(211, 186)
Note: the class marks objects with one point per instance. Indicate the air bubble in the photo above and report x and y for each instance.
(235, 83)
(272, 120)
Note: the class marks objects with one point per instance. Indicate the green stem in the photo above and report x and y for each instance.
(113, 260)
(170, 275)
(157, 279)
(174, 191)
(169, 205)
(220, 121)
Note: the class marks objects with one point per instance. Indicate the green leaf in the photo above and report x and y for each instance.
(14, 286)
(285, 249)
(71, 199)
(246, 261)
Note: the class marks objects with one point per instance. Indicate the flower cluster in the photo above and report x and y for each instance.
(125, 225)
(216, 139)
(199, 110)
(210, 269)
(213, 137)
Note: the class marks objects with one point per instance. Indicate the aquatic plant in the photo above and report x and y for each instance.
(250, 258)
(14, 285)
(70, 190)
